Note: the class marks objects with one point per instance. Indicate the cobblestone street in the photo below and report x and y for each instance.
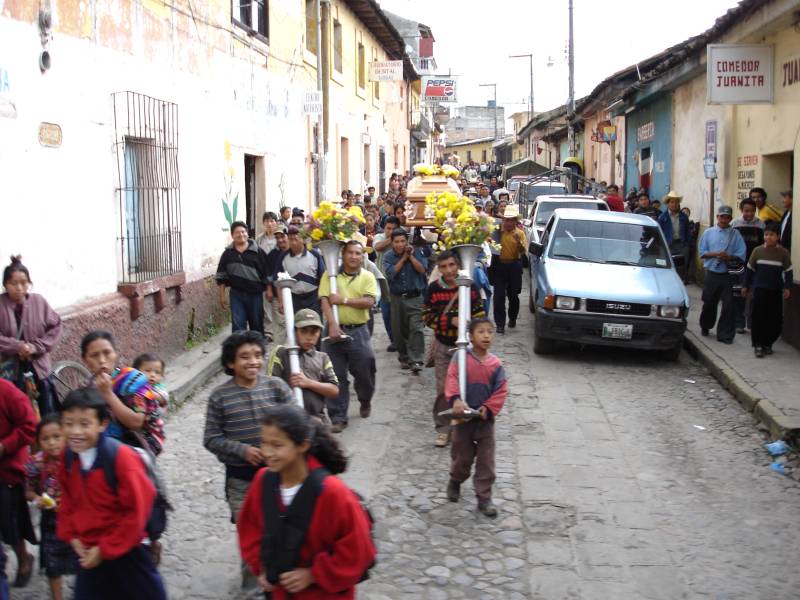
(616, 479)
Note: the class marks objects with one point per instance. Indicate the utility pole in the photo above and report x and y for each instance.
(493, 85)
(530, 98)
(571, 101)
(320, 119)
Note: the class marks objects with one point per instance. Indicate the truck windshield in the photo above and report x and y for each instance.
(610, 243)
(546, 208)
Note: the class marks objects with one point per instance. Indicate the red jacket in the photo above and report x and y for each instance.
(93, 513)
(615, 203)
(17, 430)
(486, 383)
(338, 546)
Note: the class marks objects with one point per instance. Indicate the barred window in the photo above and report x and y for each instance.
(148, 187)
(252, 15)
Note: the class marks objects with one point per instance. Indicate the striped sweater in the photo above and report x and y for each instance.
(486, 383)
(769, 268)
(444, 324)
(233, 418)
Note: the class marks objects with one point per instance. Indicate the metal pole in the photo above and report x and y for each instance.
(320, 121)
(571, 101)
(285, 284)
(530, 98)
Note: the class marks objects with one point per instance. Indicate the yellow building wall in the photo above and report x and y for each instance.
(474, 152)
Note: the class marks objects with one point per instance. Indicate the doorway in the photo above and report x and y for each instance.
(250, 193)
(777, 175)
(381, 170)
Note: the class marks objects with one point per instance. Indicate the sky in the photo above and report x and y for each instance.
(475, 37)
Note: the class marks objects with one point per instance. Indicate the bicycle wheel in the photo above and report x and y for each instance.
(68, 375)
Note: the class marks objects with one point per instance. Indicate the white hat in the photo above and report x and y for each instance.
(511, 212)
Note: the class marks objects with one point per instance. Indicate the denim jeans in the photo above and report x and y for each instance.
(386, 313)
(354, 357)
(4, 593)
(247, 309)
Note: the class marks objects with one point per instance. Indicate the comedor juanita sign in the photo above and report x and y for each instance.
(740, 73)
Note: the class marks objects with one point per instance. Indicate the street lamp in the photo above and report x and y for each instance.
(530, 98)
(493, 85)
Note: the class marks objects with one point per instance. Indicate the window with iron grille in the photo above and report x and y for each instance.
(252, 15)
(148, 187)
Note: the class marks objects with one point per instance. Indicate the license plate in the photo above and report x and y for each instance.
(616, 331)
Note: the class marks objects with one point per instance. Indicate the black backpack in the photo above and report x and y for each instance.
(157, 521)
(285, 532)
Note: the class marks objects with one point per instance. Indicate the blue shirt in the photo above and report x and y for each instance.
(716, 239)
(407, 280)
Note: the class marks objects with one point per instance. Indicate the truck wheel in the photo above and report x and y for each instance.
(531, 303)
(542, 345)
(672, 354)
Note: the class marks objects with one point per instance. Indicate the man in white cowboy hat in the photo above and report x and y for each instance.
(720, 245)
(505, 272)
(675, 226)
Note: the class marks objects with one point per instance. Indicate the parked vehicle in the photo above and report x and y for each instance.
(530, 190)
(513, 185)
(606, 278)
(543, 209)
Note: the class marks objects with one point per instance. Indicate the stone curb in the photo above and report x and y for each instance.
(191, 370)
(779, 424)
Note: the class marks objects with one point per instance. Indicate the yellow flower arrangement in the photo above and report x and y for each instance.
(457, 221)
(444, 170)
(331, 222)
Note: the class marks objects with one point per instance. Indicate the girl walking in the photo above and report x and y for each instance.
(302, 531)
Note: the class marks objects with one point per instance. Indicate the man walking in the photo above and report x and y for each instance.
(405, 269)
(267, 242)
(276, 329)
(614, 200)
(440, 313)
(786, 221)
(718, 246)
(505, 272)
(357, 290)
(243, 268)
(304, 265)
(382, 242)
(675, 226)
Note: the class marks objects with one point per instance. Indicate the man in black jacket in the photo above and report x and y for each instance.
(243, 268)
(786, 221)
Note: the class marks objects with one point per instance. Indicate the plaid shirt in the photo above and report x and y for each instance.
(437, 297)
(233, 417)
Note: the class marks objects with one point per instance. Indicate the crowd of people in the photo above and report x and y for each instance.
(302, 533)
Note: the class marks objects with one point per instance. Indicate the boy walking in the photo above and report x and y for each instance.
(440, 313)
(233, 417)
(104, 526)
(317, 377)
(473, 439)
(769, 275)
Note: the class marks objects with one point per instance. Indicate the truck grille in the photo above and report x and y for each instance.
(617, 308)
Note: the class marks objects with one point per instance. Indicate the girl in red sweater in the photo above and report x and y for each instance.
(302, 458)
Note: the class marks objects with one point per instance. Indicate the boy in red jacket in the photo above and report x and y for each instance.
(473, 439)
(17, 430)
(103, 525)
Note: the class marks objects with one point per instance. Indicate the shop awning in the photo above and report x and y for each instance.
(524, 166)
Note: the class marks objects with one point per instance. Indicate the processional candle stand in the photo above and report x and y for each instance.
(330, 250)
(285, 283)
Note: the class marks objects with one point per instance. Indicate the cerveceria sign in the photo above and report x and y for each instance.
(739, 73)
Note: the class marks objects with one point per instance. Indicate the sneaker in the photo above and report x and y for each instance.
(704, 332)
(741, 330)
(405, 365)
(339, 427)
(501, 330)
(453, 490)
(768, 350)
(416, 368)
(365, 411)
(442, 439)
(487, 508)
(512, 323)
(391, 348)
(759, 352)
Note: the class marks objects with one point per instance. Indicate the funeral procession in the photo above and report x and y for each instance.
(399, 300)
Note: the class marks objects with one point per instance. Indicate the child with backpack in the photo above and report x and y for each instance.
(302, 531)
(104, 523)
(473, 439)
(316, 378)
(56, 558)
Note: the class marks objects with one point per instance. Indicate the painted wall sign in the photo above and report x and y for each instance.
(745, 175)
(439, 89)
(711, 139)
(646, 132)
(386, 70)
(791, 71)
(7, 107)
(739, 73)
(312, 104)
(50, 135)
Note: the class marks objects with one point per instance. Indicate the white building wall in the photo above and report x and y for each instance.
(61, 211)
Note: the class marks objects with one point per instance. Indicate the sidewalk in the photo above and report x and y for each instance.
(189, 371)
(764, 386)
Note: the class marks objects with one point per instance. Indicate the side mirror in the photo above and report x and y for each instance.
(535, 248)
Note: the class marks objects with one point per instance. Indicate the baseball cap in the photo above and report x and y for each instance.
(281, 228)
(723, 209)
(307, 318)
(297, 212)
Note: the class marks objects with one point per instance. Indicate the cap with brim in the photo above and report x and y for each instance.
(307, 318)
(672, 195)
(787, 193)
(724, 210)
(511, 212)
(281, 228)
